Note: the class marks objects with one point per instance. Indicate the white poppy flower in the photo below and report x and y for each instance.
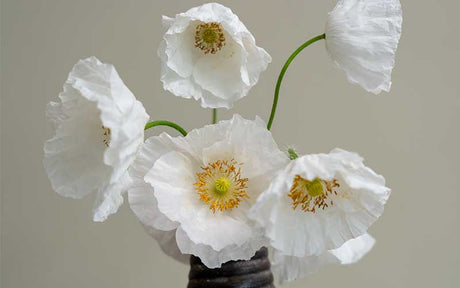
(362, 37)
(207, 53)
(201, 187)
(289, 268)
(320, 201)
(99, 126)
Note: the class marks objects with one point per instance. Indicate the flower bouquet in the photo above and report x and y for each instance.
(221, 193)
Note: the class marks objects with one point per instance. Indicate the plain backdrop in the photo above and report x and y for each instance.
(410, 135)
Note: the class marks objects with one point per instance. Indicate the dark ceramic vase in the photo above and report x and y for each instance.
(253, 273)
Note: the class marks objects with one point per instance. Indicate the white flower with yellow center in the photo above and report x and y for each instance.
(208, 54)
(320, 201)
(289, 268)
(198, 189)
(99, 126)
(362, 37)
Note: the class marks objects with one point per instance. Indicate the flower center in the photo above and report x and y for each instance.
(312, 195)
(221, 186)
(106, 136)
(209, 37)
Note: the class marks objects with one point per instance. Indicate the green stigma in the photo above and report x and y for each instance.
(210, 36)
(314, 188)
(221, 186)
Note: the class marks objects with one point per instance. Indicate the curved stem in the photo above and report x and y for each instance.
(283, 71)
(214, 116)
(166, 123)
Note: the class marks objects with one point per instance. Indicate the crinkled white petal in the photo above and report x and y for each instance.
(76, 159)
(186, 87)
(289, 268)
(109, 199)
(217, 80)
(248, 142)
(362, 38)
(353, 250)
(164, 197)
(140, 194)
(298, 233)
(169, 241)
(214, 259)
(223, 74)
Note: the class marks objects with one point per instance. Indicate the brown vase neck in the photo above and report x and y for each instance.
(253, 273)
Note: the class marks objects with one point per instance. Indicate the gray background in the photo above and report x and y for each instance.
(410, 136)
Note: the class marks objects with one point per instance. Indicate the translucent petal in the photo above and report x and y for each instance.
(289, 268)
(362, 37)
(80, 159)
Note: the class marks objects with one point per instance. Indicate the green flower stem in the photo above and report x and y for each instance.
(283, 71)
(214, 116)
(166, 123)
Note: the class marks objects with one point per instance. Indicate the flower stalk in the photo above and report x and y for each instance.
(214, 116)
(283, 71)
(166, 123)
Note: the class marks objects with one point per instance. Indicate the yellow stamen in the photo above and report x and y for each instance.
(221, 186)
(209, 37)
(312, 195)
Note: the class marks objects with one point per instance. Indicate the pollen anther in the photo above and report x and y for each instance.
(106, 136)
(312, 195)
